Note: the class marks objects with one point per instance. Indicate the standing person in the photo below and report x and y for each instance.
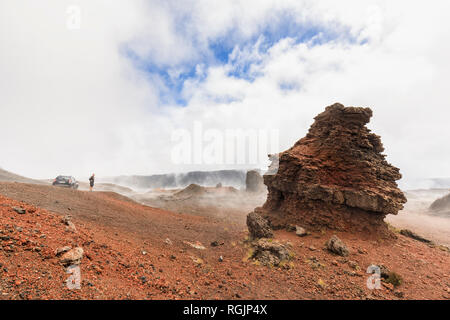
(91, 182)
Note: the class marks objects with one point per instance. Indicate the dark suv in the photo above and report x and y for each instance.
(66, 181)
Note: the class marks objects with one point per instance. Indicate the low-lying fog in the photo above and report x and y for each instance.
(417, 216)
(233, 204)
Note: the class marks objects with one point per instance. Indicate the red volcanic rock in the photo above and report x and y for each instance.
(335, 177)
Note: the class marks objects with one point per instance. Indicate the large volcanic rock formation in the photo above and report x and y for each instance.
(335, 177)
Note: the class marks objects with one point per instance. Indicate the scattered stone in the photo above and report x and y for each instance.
(97, 269)
(143, 279)
(315, 263)
(271, 253)
(72, 256)
(20, 210)
(399, 294)
(70, 226)
(61, 250)
(66, 219)
(216, 243)
(321, 284)
(220, 259)
(415, 236)
(290, 228)
(258, 227)
(362, 251)
(354, 265)
(312, 248)
(336, 246)
(196, 245)
(301, 232)
(388, 286)
(168, 241)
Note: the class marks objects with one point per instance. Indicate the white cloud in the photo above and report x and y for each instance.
(73, 102)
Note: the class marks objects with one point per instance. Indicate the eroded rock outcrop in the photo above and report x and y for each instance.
(335, 177)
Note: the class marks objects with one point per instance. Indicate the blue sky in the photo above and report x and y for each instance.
(218, 51)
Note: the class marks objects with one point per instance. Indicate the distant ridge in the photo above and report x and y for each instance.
(235, 178)
(6, 176)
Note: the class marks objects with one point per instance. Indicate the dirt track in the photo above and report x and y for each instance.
(127, 256)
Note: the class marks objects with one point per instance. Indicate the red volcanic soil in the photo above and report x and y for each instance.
(127, 255)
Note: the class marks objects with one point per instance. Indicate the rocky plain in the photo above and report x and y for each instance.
(320, 224)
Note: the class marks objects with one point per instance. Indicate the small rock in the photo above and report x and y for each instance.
(168, 241)
(290, 228)
(66, 219)
(97, 269)
(301, 232)
(312, 248)
(321, 284)
(271, 253)
(220, 259)
(399, 294)
(335, 245)
(72, 256)
(197, 245)
(143, 279)
(215, 243)
(388, 286)
(20, 210)
(354, 265)
(71, 227)
(258, 227)
(61, 250)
